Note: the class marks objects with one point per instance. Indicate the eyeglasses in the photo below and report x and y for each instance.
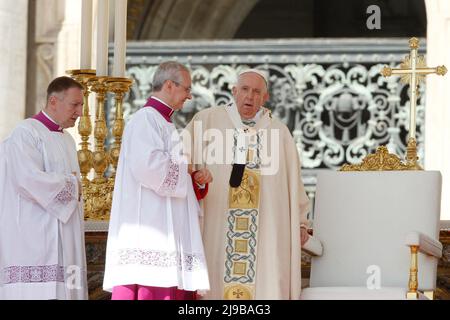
(187, 89)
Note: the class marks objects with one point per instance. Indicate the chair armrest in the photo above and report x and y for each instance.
(425, 243)
(313, 246)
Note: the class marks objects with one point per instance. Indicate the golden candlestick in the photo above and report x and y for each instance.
(97, 194)
(83, 76)
(119, 86)
(100, 157)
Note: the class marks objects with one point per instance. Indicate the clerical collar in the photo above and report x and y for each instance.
(161, 107)
(251, 122)
(48, 122)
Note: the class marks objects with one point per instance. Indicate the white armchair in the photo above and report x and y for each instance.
(364, 222)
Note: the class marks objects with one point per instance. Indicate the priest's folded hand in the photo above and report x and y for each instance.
(203, 176)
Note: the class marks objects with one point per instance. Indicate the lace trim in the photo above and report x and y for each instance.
(66, 194)
(187, 262)
(171, 180)
(30, 274)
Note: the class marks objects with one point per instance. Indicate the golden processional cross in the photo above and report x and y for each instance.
(413, 71)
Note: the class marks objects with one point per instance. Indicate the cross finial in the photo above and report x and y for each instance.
(414, 43)
(413, 71)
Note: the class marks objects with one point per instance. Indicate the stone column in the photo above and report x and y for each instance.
(68, 47)
(68, 39)
(437, 114)
(55, 46)
(42, 37)
(13, 57)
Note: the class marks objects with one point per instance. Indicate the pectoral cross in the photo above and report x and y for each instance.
(413, 71)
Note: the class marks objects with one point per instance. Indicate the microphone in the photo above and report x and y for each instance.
(236, 175)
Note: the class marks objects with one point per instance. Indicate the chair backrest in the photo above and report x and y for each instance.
(362, 219)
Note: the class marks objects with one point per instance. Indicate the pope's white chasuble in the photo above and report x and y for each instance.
(272, 267)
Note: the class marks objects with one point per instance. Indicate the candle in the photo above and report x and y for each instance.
(102, 37)
(86, 34)
(120, 38)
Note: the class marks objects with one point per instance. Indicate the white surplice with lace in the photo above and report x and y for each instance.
(42, 253)
(154, 235)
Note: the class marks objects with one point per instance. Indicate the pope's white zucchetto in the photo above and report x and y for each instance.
(261, 73)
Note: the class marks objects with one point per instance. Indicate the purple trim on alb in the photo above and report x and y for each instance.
(32, 274)
(47, 122)
(164, 110)
(67, 193)
(171, 180)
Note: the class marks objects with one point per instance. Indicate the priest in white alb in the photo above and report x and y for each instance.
(154, 249)
(255, 212)
(42, 248)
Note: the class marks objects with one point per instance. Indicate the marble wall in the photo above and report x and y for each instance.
(437, 151)
(13, 57)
